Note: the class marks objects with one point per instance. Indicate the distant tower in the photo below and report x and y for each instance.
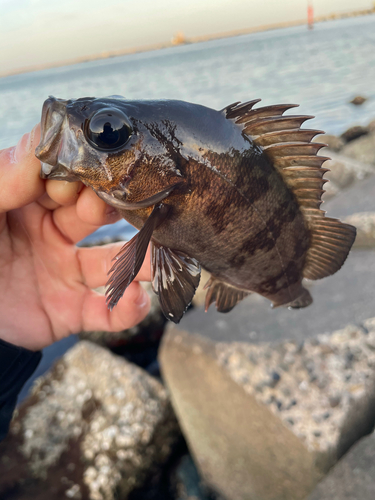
(310, 14)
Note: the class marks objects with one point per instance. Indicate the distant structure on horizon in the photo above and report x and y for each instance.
(310, 15)
(178, 39)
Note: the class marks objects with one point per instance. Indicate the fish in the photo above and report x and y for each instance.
(235, 191)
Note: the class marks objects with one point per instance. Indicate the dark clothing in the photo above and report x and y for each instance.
(16, 366)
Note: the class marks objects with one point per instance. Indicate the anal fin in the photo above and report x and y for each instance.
(175, 277)
(225, 296)
(129, 260)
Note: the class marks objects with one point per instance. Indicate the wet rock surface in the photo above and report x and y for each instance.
(268, 421)
(353, 478)
(95, 427)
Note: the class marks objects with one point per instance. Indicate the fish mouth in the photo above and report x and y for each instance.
(58, 144)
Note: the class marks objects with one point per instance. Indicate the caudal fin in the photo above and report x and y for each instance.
(331, 241)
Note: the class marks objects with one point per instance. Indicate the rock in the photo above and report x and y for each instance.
(152, 326)
(333, 142)
(253, 438)
(362, 149)
(95, 427)
(358, 100)
(353, 478)
(371, 126)
(365, 224)
(353, 133)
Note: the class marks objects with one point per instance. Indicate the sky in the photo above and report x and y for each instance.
(38, 32)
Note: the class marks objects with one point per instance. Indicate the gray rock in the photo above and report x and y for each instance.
(362, 149)
(94, 427)
(353, 478)
(365, 224)
(346, 297)
(353, 133)
(268, 421)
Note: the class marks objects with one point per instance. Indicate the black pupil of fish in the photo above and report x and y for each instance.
(109, 130)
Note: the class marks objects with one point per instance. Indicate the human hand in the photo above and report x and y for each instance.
(46, 282)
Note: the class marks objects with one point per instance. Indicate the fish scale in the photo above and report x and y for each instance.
(236, 191)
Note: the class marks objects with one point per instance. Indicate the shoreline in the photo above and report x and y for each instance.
(185, 41)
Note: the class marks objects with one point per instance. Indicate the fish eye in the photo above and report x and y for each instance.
(108, 129)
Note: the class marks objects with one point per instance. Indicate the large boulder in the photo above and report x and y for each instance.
(266, 422)
(95, 427)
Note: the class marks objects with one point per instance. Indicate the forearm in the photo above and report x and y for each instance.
(16, 366)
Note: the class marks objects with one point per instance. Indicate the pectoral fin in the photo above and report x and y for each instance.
(130, 258)
(225, 296)
(175, 277)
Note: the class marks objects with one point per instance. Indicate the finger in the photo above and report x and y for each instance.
(46, 202)
(131, 310)
(63, 192)
(93, 210)
(97, 261)
(19, 172)
(73, 228)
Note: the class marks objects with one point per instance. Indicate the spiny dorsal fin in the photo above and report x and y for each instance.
(295, 157)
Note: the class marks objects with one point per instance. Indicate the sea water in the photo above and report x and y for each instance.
(320, 69)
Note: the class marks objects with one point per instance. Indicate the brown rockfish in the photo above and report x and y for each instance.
(236, 191)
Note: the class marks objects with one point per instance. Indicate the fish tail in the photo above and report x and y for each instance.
(330, 243)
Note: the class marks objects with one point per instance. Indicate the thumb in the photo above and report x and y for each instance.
(20, 183)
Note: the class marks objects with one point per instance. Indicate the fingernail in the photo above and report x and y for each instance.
(142, 299)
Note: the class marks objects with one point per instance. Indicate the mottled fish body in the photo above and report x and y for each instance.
(235, 191)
